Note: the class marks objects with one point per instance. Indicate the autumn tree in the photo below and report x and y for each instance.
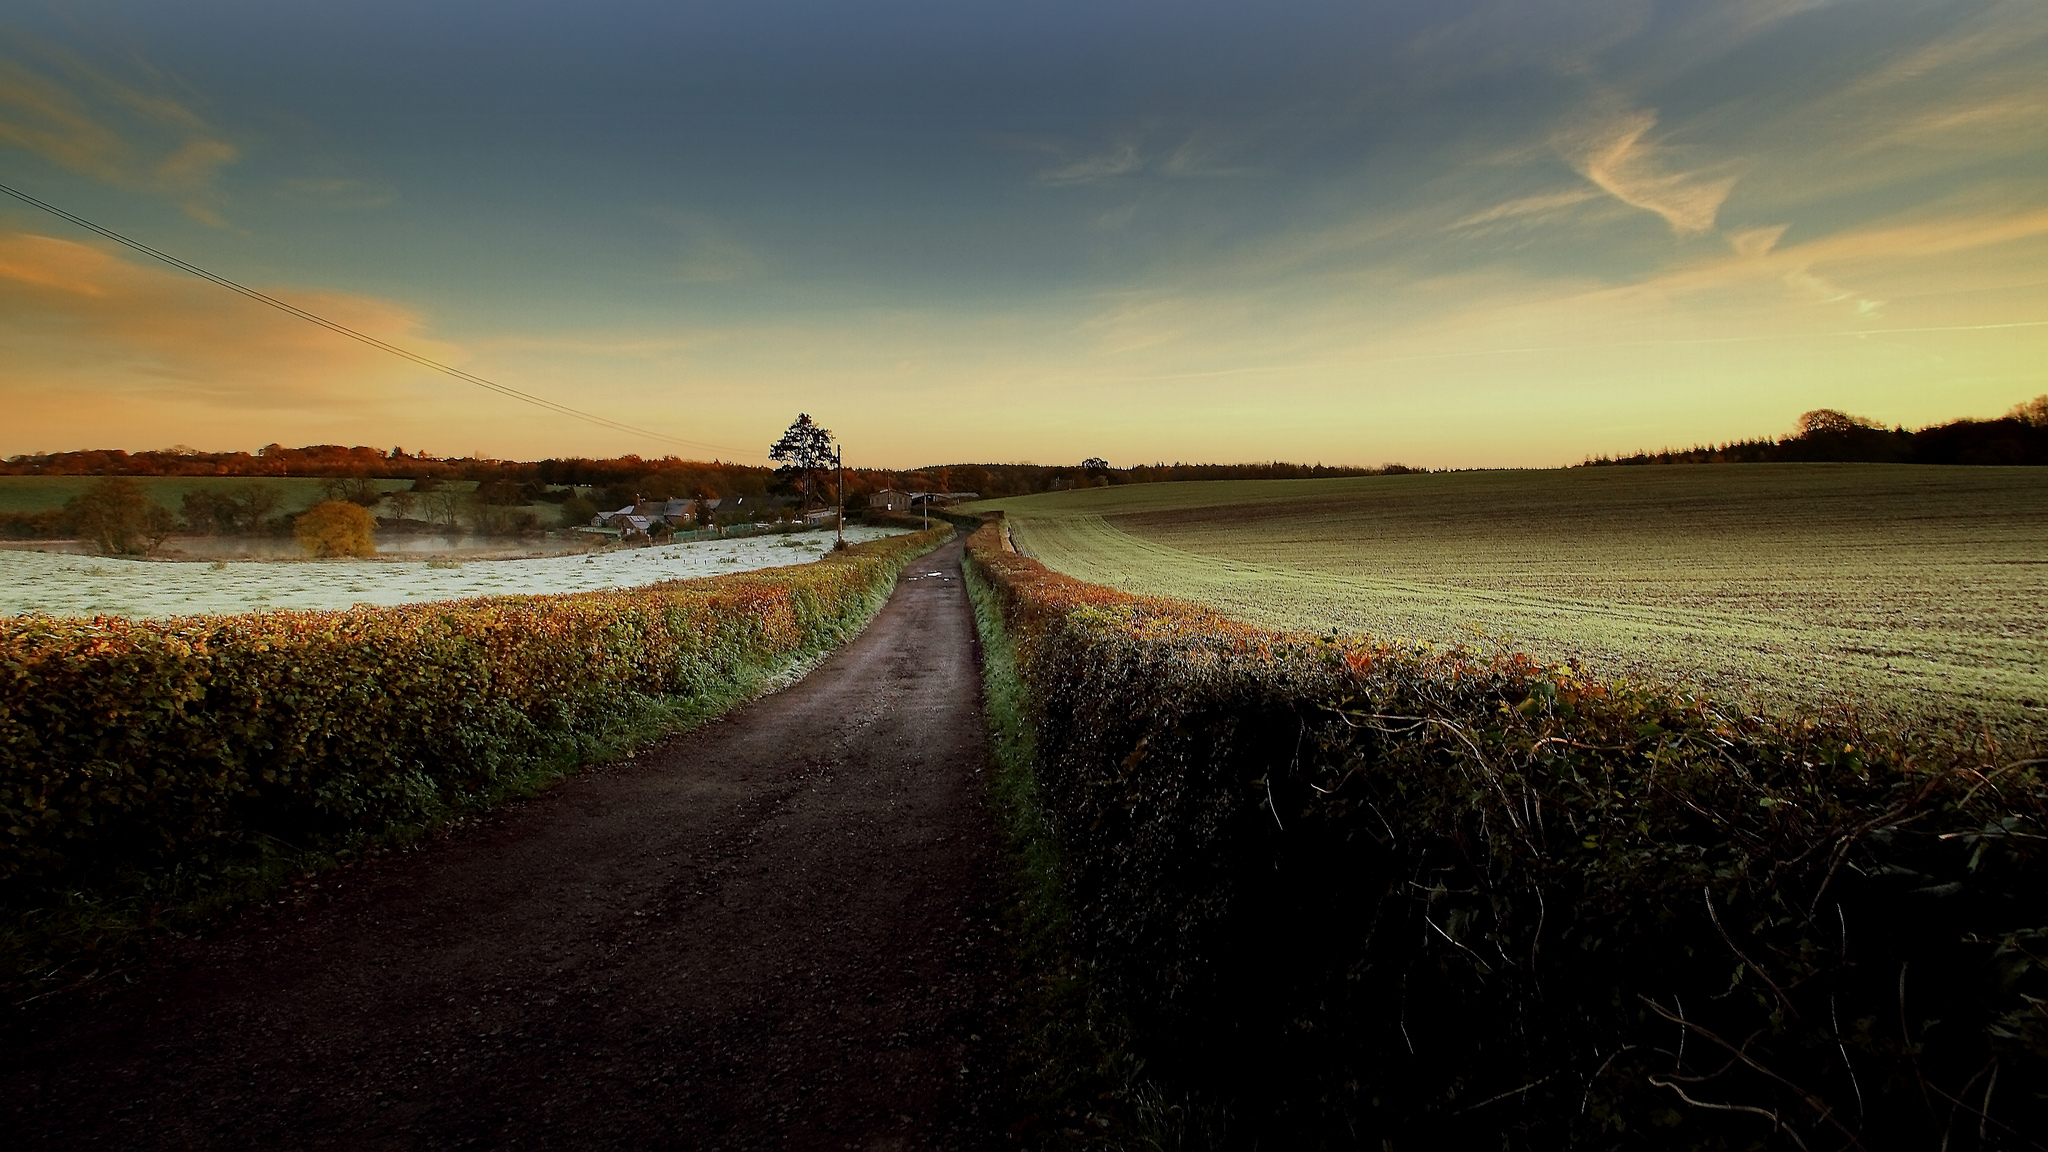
(335, 528)
(120, 519)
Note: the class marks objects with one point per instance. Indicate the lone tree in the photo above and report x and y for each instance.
(805, 450)
(120, 518)
(1829, 422)
(335, 528)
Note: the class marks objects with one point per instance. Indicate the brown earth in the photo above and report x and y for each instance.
(776, 931)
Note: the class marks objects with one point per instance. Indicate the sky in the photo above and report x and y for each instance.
(1476, 233)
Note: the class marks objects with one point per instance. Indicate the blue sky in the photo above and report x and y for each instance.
(1456, 234)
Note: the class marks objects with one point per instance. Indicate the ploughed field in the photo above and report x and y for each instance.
(1920, 589)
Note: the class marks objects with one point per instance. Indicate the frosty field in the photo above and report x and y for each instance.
(1919, 589)
(61, 584)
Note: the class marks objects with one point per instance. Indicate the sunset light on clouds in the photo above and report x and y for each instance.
(1469, 234)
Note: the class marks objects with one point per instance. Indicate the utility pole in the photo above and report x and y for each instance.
(839, 462)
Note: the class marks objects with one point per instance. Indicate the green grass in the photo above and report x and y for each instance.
(1074, 1079)
(39, 493)
(1920, 590)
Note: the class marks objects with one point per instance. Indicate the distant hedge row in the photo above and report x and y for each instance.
(1374, 896)
(153, 742)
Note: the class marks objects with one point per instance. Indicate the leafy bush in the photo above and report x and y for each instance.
(335, 528)
(49, 524)
(577, 512)
(120, 519)
(1372, 895)
(160, 744)
(498, 520)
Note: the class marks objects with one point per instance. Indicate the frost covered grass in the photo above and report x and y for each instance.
(1920, 589)
(59, 584)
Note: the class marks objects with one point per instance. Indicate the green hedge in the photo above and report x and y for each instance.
(1371, 896)
(160, 744)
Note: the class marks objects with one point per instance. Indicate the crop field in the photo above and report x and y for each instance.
(1922, 590)
(64, 584)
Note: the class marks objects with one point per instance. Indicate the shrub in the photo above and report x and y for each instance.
(577, 512)
(49, 524)
(336, 528)
(1370, 894)
(497, 520)
(151, 746)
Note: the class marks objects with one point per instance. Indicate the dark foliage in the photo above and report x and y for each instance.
(1369, 896)
(229, 510)
(118, 518)
(806, 453)
(49, 524)
(1825, 435)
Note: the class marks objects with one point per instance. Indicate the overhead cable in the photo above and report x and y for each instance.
(344, 330)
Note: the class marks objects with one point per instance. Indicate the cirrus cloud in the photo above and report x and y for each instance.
(85, 121)
(1613, 149)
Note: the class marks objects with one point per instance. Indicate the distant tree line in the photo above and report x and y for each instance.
(2018, 437)
(617, 481)
(995, 480)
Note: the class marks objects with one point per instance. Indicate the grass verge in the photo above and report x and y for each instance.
(1077, 1082)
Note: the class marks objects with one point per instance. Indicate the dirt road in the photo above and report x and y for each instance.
(773, 932)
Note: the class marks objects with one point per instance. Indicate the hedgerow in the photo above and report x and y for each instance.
(1373, 895)
(152, 745)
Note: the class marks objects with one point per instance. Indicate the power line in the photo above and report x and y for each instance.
(344, 330)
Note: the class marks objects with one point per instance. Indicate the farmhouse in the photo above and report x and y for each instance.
(891, 500)
(676, 513)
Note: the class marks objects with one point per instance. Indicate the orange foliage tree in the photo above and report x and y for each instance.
(335, 528)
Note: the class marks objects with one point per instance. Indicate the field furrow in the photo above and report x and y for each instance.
(1921, 590)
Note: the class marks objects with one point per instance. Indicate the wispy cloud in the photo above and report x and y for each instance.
(1203, 152)
(81, 119)
(1121, 160)
(108, 327)
(1542, 206)
(1612, 147)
